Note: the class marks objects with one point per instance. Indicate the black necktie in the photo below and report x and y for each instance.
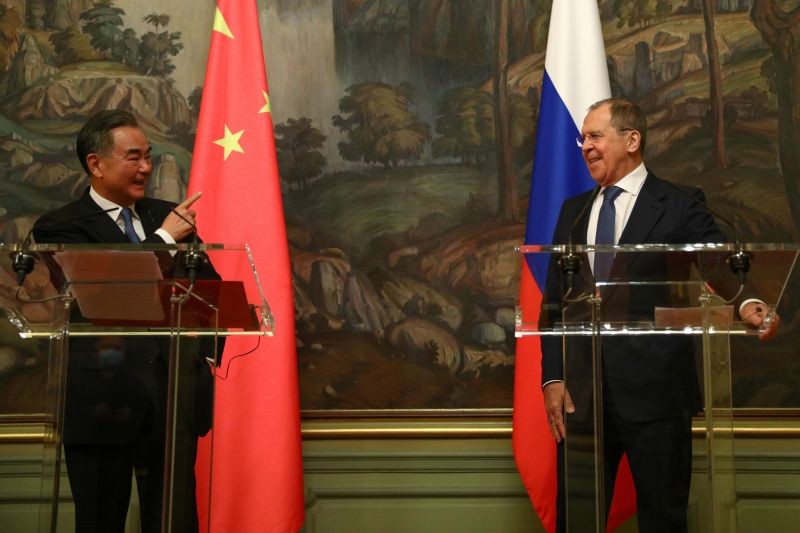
(605, 232)
(130, 232)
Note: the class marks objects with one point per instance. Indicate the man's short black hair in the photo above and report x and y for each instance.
(95, 137)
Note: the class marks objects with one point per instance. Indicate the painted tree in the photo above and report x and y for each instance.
(194, 99)
(10, 22)
(157, 20)
(758, 99)
(539, 24)
(465, 123)
(520, 126)
(461, 30)
(72, 46)
(506, 177)
(103, 23)
(663, 9)
(126, 49)
(779, 26)
(157, 48)
(715, 91)
(378, 124)
(466, 38)
(639, 13)
(297, 144)
(427, 27)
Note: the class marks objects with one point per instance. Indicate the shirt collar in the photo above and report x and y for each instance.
(108, 204)
(632, 182)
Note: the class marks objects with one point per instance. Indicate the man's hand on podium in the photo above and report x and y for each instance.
(762, 317)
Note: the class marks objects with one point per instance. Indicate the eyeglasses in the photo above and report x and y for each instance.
(596, 136)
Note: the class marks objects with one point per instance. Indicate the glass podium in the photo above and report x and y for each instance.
(638, 339)
(120, 345)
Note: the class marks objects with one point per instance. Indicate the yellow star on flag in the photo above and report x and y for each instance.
(230, 142)
(266, 108)
(220, 25)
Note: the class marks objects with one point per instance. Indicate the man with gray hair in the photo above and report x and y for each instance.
(115, 413)
(649, 383)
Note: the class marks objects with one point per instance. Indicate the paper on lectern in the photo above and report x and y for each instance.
(114, 284)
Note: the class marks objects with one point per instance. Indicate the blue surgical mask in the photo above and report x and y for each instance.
(110, 357)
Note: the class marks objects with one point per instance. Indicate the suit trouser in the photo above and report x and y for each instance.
(100, 479)
(659, 454)
(660, 458)
(100, 475)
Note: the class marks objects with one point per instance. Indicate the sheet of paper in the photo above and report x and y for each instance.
(114, 285)
(680, 317)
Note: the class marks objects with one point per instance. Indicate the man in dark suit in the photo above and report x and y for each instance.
(116, 386)
(649, 383)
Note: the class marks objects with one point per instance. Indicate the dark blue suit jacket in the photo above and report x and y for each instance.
(645, 377)
(113, 404)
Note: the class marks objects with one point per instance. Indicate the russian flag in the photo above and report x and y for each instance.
(575, 76)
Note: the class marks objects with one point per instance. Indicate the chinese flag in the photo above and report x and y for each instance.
(257, 467)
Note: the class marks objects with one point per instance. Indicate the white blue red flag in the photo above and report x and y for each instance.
(575, 76)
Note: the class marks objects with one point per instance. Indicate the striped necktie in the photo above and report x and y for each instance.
(130, 232)
(605, 232)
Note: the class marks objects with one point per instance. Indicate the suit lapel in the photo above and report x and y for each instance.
(581, 226)
(578, 236)
(146, 217)
(104, 228)
(646, 212)
(111, 232)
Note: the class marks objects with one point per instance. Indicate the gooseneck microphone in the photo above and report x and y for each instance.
(23, 260)
(570, 262)
(739, 261)
(193, 259)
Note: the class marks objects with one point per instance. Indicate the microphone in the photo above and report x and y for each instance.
(570, 263)
(193, 259)
(23, 260)
(739, 261)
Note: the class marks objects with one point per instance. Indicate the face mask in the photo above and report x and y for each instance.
(110, 357)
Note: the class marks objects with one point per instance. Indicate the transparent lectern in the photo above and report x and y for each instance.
(638, 339)
(117, 349)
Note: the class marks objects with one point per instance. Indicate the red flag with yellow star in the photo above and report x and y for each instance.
(257, 468)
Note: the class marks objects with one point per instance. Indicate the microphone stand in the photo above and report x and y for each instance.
(23, 260)
(739, 261)
(193, 259)
(570, 262)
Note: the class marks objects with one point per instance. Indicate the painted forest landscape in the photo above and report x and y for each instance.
(403, 198)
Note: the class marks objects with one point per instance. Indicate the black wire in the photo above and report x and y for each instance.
(36, 301)
(228, 366)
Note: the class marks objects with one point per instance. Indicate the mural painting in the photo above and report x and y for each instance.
(404, 198)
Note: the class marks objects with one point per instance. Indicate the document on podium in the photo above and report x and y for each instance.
(114, 285)
(683, 317)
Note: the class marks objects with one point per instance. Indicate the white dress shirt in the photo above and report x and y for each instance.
(116, 216)
(623, 204)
